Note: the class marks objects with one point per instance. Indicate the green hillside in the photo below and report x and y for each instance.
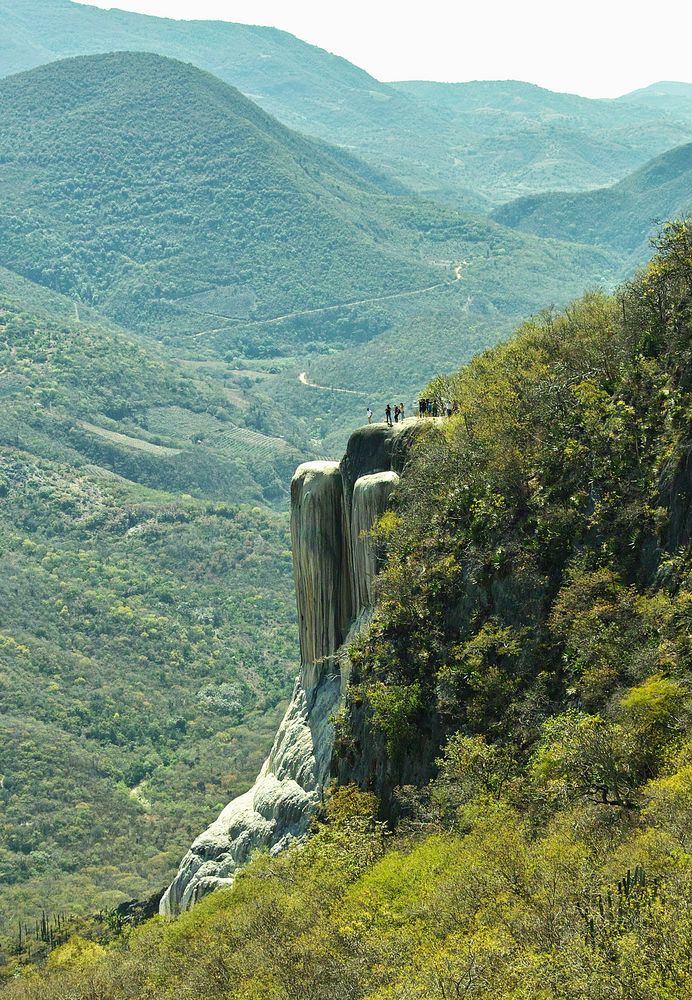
(91, 394)
(146, 637)
(146, 646)
(466, 143)
(530, 654)
(160, 195)
(621, 217)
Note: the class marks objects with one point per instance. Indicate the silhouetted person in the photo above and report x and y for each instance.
(422, 407)
(396, 413)
(369, 415)
(388, 415)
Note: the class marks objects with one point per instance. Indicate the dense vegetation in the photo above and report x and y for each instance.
(512, 138)
(146, 646)
(621, 216)
(473, 144)
(537, 568)
(146, 638)
(534, 619)
(196, 219)
(192, 208)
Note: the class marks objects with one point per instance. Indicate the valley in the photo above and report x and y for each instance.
(219, 246)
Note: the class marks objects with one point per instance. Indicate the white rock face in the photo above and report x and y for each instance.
(321, 564)
(371, 495)
(334, 566)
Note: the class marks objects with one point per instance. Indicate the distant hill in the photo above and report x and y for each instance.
(467, 143)
(513, 138)
(621, 217)
(93, 396)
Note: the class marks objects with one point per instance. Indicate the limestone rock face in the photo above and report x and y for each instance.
(333, 509)
(321, 563)
(278, 807)
(371, 495)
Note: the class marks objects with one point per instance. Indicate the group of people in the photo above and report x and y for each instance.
(399, 414)
(432, 408)
(426, 408)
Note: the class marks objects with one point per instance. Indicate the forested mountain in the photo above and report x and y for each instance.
(159, 194)
(621, 217)
(471, 144)
(200, 290)
(515, 138)
(520, 701)
(164, 199)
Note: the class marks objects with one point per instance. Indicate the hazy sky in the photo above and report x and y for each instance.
(600, 48)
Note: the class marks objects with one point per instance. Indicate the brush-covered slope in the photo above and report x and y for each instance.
(419, 133)
(159, 194)
(164, 199)
(146, 637)
(531, 630)
(81, 390)
(621, 217)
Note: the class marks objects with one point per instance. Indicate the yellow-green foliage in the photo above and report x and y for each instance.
(534, 626)
(494, 912)
(537, 561)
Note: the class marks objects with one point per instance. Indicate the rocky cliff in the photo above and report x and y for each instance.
(333, 508)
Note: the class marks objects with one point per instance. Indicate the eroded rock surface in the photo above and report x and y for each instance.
(371, 496)
(333, 509)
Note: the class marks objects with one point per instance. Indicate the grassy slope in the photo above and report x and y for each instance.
(419, 133)
(620, 217)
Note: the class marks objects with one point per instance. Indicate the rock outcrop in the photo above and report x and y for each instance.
(371, 495)
(333, 509)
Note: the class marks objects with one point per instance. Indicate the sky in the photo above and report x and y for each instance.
(598, 48)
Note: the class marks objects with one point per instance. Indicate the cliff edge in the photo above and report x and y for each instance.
(333, 508)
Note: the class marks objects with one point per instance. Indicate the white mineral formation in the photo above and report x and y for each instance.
(333, 511)
(370, 500)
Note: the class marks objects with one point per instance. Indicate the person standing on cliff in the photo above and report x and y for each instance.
(388, 415)
(401, 412)
(396, 413)
(369, 415)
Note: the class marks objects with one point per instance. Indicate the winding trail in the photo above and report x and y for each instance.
(304, 380)
(303, 377)
(320, 310)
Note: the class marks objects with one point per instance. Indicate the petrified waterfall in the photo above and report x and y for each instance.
(333, 509)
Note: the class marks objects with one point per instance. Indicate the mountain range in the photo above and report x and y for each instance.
(164, 199)
(620, 217)
(475, 144)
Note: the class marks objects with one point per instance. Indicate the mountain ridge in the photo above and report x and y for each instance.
(324, 95)
(621, 217)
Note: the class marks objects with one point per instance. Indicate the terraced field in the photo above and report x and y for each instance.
(129, 442)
